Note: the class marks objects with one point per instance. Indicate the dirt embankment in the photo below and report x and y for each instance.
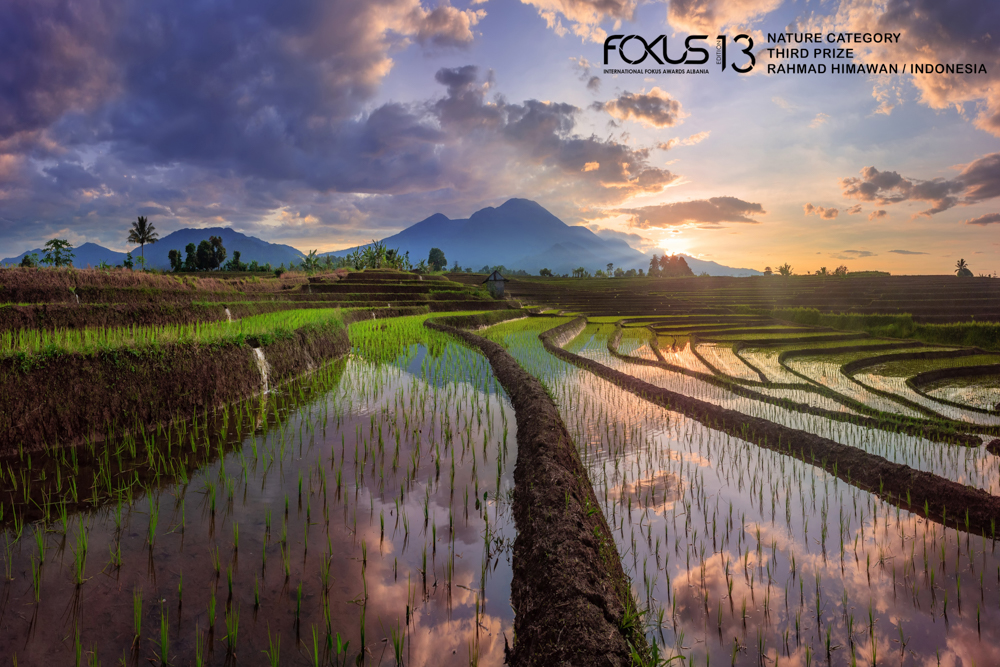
(481, 320)
(569, 592)
(69, 398)
(931, 430)
(929, 377)
(854, 366)
(949, 502)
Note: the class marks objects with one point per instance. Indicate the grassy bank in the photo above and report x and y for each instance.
(257, 329)
(978, 334)
(66, 388)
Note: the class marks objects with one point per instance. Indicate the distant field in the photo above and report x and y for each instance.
(926, 298)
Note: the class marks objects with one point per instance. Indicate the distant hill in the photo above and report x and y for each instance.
(715, 269)
(250, 247)
(87, 254)
(521, 234)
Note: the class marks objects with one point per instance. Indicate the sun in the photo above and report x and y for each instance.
(675, 243)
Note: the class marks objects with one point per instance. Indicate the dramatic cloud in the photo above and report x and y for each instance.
(540, 135)
(263, 120)
(714, 210)
(984, 220)
(584, 16)
(907, 252)
(932, 32)
(977, 181)
(825, 213)
(875, 215)
(653, 109)
(712, 16)
(445, 25)
(690, 141)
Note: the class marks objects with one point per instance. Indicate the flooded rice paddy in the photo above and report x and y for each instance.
(357, 516)
(362, 515)
(744, 556)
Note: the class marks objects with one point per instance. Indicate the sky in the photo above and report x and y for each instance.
(328, 124)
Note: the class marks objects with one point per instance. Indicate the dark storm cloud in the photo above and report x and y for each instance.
(541, 134)
(208, 113)
(977, 181)
(56, 58)
(714, 210)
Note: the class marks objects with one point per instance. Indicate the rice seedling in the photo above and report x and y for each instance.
(232, 627)
(164, 637)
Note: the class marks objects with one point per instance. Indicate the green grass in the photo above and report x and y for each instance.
(978, 334)
(90, 341)
(911, 367)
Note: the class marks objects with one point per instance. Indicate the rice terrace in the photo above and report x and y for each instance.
(380, 467)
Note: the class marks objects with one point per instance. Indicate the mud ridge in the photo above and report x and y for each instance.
(569, 591)
(903, 424)
(921, 380)
(947, 502)
(69, 399)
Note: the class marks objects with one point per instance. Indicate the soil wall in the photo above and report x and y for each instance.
(947, 502)
(68, 398)
(569, 591)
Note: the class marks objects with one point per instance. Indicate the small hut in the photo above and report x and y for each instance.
(494, 284)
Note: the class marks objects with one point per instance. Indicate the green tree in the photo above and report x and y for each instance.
(127, 262)
(610, 267)
(143, 232)
(311, 262)
(58, 252)
(840, 271)
(546, 273)
(191, 258)
(205, 255)
(218, 251)
(436, 259)
(674, 266)
(176, 261)
(822, 271)
(767, 271)
(30, 261)
(654, 266)
(235, 264)
(785, 269)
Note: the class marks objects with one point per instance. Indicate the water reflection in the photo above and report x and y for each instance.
(365, 504)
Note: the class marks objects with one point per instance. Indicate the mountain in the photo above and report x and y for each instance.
(250, 247)
(88, 254)
(521, 234)
(700, 266)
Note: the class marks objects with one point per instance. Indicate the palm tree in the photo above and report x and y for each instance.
(143, 232)
(961, 267)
